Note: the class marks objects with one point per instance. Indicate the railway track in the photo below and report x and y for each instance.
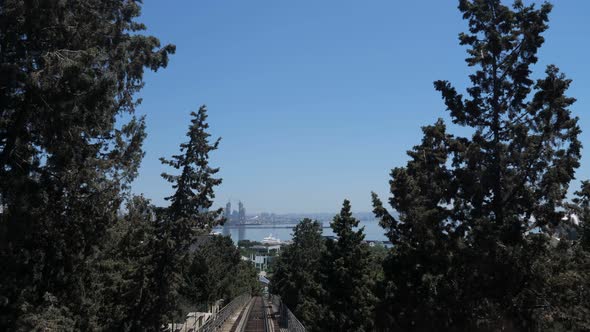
(260, 317)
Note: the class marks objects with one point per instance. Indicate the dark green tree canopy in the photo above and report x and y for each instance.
(124, 273)
(69, 70)
(216, 271)
(194, 186)
(349, 296)
(463, 256)
(524, 149)
(179, 225)
(296, 277)
(581, 210)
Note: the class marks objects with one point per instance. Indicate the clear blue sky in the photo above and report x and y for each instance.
(316, 101)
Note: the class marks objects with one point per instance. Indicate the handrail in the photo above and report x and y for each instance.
(287, 318)
(266, 317)
(216, 322)
(243, 319)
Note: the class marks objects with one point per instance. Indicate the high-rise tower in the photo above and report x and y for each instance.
(227, 211)
(241, 212)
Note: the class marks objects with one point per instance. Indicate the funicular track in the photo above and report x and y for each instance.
(260, 318)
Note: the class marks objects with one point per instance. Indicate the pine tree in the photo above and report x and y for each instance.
(487, 191)
(68, 71)
(564, 289)
(194, 186)
(297, 274)
(124, 270)
(417, 270)
(215, 272)
(349, 296)
(187, 216)
(581, 209)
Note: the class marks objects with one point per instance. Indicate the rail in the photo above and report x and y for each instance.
(216, 322)
(256, 320)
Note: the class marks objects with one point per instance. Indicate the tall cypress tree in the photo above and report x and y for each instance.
(187, 216)
(349, 300)
(68, 71)
(489, 190)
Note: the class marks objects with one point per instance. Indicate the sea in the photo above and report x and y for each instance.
(284, 232)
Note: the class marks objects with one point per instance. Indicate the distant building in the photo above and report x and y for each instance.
(227, 211)
(241, 213)
(263, 255)
(234, 217)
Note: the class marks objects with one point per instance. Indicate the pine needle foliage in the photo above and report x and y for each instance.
(476, 213)
(69, 73)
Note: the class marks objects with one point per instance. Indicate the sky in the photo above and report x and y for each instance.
(316, 101)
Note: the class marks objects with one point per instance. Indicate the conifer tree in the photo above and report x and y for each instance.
(487, 191)
(194, 186)
(581, 210)
(125, 270)
(187, 216)
(216, 271)
(297, 274)
(68, 71)
(349, 300)
(417, 270)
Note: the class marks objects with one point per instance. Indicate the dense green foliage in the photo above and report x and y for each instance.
(216, 271)
(124, 271)
(484, 238)
(472, 247)
(178, 225)
(581, 208)
(296, 275)
(74, 256)
(328, 284)
(68, 71)
(349, 299)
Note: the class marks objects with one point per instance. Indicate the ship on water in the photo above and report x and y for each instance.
(271, 240)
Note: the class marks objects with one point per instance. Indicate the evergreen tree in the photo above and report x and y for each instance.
(194, 186)
(187, 216)
(581, 210)
(463, 256)
(565, 288)
(415, 293)
(245, 280)
(296, 278)
(49, 316)
(349, 300)
(563, 292)
(68, 71)
(215, 272)
(124, 271)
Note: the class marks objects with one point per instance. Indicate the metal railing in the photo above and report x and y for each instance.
(267, 328)
(287, 319)
(217, 321)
